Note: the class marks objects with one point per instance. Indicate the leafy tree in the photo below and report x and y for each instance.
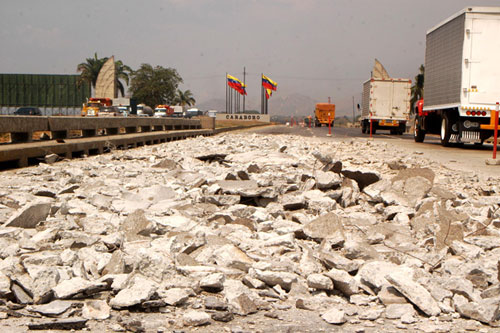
(154, 85)
(417, 90)
(90, 69)
(184, 98)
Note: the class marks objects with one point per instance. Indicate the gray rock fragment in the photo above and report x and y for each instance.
(196, 318)
(412, 290)
(334, 316)
(96, 310)
(319, 281)
(30, 216)
(323, 227)
(396, 311)
(54, 308)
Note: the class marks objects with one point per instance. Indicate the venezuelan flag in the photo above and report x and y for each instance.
(268, 83)
(236, 84)
(269, 93)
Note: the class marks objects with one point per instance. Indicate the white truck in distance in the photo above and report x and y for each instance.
(462, 73)
(386, 102)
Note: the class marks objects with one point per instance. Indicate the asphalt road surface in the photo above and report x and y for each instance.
(468, 158)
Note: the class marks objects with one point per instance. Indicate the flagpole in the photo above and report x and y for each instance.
(267, 101)
(226, 96)
(244, 78)
(261, 95)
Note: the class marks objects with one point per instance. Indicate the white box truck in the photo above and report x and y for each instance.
(386, 103)
(462, 75)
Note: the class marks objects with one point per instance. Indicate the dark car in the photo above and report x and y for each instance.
(28, 111)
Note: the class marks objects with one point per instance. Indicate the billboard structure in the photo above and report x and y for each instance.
(105, 87)
(42, 90)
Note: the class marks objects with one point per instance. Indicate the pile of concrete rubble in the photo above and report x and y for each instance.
(214, 229)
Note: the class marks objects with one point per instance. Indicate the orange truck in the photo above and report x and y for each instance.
(324, 113)
(93, 106)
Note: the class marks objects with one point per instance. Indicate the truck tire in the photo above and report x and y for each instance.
(445, 130)
(418, 133)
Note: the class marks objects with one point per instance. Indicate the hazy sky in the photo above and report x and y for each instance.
(317, 48)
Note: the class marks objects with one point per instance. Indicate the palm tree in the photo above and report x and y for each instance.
(122, 73)
(90, 70)
(417, 90)
(184, 98)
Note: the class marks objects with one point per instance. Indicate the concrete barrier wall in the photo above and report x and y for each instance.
(207, 122)
(21, 128)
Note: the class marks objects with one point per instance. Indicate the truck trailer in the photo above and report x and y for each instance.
(462, 69)
(386, 103)
(324, 113)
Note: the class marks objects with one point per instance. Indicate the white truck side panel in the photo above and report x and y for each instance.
(387, 99)
(481, 65)
(462, 65)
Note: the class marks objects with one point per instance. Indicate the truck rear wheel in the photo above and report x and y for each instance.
(445, 130)
(418, 133)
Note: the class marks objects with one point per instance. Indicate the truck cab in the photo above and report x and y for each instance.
(93, 105)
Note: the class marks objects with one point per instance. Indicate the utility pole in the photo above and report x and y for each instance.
(244, 82)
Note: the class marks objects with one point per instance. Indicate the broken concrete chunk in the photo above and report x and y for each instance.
(96, 310)
(30, 216)
(69, 288)
(196, 318)
(412, 290)
(140, 290)
(396, 311)
(343, 281)
(319, 281)
(323, 227)
(334, 316)
(327, 180)
(136, 226)
(53, 308)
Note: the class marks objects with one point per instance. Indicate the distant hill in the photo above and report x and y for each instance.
(292, 105)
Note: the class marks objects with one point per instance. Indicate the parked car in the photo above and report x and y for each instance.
(28, 111)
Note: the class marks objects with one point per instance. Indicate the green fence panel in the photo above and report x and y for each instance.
(42, 90)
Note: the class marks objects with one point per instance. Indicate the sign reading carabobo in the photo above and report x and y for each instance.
(243, 117)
